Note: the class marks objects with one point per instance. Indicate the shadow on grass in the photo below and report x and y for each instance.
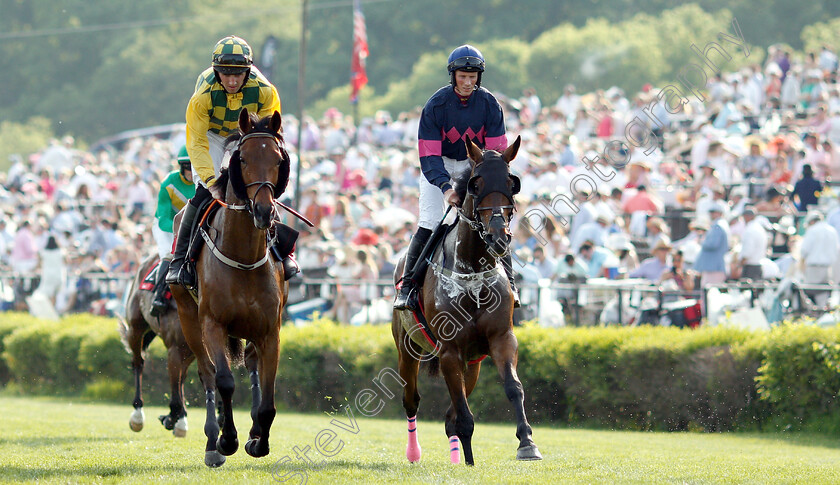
(796, 438)
(289, 468)
(36, 442)
(74, 472)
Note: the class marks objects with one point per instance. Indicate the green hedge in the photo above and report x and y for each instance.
(635, 378)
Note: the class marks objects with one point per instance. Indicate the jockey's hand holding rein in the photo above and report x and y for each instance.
(451, 198)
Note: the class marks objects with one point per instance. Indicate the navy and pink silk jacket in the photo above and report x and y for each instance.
(445, 122)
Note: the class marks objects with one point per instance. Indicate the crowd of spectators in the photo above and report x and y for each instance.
(739, 186)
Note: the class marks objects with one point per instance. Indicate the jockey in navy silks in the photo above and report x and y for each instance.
(461, 109)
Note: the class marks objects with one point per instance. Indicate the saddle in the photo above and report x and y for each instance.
(150, 279)
(280, 238)
(415, 323)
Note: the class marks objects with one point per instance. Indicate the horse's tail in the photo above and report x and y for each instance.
(432, 364)
(236, 351)
(122, 326)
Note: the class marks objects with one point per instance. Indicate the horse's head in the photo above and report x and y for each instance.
(259, 168)
(489, 204)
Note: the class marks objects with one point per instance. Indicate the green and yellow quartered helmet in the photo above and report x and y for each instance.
(184, 158)
(232, 55)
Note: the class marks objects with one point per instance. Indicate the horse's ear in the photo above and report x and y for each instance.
(475, 153)
(511, 151)
(276, 122)
(244, 121)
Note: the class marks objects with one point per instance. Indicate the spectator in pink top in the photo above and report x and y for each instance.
(24, 250)
(642, 201)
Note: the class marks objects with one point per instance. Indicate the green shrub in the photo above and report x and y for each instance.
(711, 378)
(797, 374)
(106, 389)
(29, 355)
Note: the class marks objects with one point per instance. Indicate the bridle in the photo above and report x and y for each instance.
(474, 220)
(249, 205)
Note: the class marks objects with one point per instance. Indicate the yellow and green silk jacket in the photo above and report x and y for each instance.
(211, 108)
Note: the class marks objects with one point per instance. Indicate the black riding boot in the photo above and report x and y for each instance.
(176, 275)
(283, 248)
(159, 303)
(407, 285)
(507, 262)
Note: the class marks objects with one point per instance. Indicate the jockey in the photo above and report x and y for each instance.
(221, 91)
(461, 109)
(175, 191)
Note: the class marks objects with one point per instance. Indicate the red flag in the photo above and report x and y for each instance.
(358, 76)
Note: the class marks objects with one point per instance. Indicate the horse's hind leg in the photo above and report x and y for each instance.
(451, 366)
(504, 351)
(409, 366)
(179, 359)
(470, 379)
(268, 351)
(138, 338)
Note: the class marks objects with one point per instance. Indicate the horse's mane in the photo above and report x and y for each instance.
(260, 126)
(460, 183)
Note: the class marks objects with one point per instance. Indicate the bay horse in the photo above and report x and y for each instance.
(138, 330)
(241, 290)
(468, 303)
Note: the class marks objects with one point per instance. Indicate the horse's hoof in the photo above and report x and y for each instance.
(214, 459)
(227, 446)
(181, 428)
(166, 421)
(413, 453)
(251, 447)
(137, 419)
(528, 453)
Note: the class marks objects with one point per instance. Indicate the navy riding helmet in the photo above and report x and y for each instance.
(465, 58)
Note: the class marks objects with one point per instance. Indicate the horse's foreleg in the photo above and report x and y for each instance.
(216, 341)
(470, 380)
(409, 366)
(504, 351)
(252, 364)
(268, 351)
(462, 426)
(191, 327)
(212, 457)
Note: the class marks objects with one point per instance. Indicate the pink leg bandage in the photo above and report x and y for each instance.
(454, 449)
(412, 451)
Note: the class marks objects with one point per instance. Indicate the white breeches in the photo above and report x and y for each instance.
(432, 205)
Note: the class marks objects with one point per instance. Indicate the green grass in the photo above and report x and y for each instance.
(58, 441)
